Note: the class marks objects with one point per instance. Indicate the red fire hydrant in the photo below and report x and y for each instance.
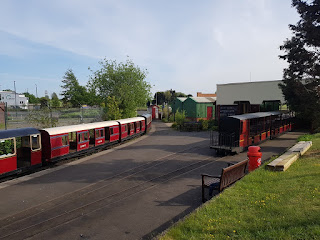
(254, 156)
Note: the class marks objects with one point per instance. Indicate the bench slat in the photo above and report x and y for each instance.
(229, 175)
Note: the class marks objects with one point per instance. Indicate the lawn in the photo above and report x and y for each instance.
(263, 205)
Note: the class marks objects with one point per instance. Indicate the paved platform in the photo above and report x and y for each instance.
(134, 191)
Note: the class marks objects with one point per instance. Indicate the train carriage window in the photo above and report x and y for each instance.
(25, 141)
(111, 130)
(101, 133)
(241, 127)
(64, 140)
(35, 142)
(97, 133)
(86, 136)
(7, 147)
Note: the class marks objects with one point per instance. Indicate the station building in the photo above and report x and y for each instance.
(196, 108)
(248, 97)
(13, 99)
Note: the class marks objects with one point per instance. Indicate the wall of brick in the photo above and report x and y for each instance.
(200, 94)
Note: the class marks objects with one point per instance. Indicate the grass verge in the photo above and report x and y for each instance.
(263, 205)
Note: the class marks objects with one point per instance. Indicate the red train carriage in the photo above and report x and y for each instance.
(131, 127)
(148, 120)
(20, 150)
(238, 132)
(60, 142)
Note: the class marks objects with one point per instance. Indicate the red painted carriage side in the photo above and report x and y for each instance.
(115, 133)
(138, 124)
(99, 136)
(143, 126)
(8, 164)
(263, 136)
(59, 145)
(82, 140)
(131, 126)
(124, 131)
(36, 157)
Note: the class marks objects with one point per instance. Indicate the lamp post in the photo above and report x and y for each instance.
(36, 90)
(15, 97)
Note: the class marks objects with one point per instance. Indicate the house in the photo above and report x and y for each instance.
(14, 99)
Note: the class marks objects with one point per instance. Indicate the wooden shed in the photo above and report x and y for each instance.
(199, 108)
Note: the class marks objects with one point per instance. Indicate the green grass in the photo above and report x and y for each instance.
(263, 205)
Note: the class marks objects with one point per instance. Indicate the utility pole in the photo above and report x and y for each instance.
(36, 90)
(15, 97)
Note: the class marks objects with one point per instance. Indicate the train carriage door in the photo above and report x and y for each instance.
(35, 149)
(23, 151)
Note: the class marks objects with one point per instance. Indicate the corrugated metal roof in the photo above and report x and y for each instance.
(182, 99)
(19, 132)
(204, 99)
(255, 115)
(79, 127)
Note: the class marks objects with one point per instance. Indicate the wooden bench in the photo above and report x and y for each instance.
(229, 175)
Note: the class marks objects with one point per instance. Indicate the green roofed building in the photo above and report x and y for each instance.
(196, 108)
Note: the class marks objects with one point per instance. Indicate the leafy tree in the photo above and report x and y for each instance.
(112, 110)
(55, 102)
(73, 92)
(302, 52)
(160, 98)
(123, 81)
(32, 98)
(44, 102)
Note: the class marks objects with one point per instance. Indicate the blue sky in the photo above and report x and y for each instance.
(188, 46)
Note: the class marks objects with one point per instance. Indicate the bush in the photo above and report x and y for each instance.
(174, 125)
(180, 118)
(205, 125)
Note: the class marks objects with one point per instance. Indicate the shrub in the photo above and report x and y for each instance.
(180, 117)
(205, 125)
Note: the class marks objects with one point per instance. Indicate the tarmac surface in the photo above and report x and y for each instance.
(133, 191)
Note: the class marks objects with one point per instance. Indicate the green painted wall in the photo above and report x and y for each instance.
(177, 105)
(197, 110)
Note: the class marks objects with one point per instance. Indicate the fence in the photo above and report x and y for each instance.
(36, 117)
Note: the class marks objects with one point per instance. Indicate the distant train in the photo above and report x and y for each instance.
(238, 132)
(27, 148)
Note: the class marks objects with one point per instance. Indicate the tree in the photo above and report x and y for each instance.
(55, 102)
(32, 98)
(112, 110)
(302, 52)
(123, 81)
(73, 92)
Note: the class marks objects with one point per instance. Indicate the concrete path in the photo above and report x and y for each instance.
(134, 191)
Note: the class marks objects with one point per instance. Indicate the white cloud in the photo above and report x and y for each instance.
(185, 45)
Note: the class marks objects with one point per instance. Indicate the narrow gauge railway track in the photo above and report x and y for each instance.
(94, 197)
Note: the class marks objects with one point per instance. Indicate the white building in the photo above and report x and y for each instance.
(14, 99)
(246, 97)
